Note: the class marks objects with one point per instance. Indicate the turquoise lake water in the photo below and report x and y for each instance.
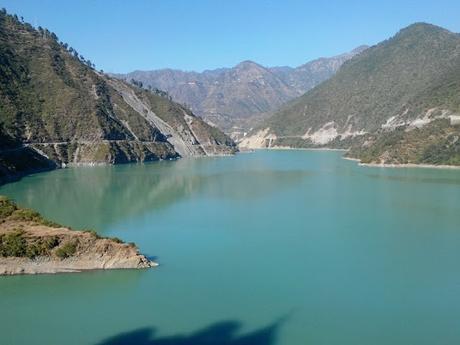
(266, 248)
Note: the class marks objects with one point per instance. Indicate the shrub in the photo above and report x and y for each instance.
(93, 233)
(66, 250)
(26, 214)
(34, 250)
(50, 223)
(7, 207)
(116, 240)
(97, 236)
(51, 242)
(13, 244)
(42, 247)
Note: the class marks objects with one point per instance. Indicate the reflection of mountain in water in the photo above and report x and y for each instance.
(95, 197)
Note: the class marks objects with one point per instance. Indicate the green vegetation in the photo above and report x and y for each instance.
(67, 249)
(93, 233)
(13, 244)
(52, 101)
(7, 207)
(42, 247)
(16, 242)
(115, 239)
(97, 236)
(50, 223)
(437, 143)
(415, 72)
(26, 215)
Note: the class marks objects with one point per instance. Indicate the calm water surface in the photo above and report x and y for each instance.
(269, 248)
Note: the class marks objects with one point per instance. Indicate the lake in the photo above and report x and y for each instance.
(265, 248)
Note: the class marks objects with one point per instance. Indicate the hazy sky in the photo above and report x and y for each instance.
(120, 36)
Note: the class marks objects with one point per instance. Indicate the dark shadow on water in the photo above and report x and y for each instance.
(152, 257)
(221, 333)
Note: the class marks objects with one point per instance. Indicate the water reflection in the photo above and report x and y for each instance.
(414, 177)
(95, 197)
(92, 283)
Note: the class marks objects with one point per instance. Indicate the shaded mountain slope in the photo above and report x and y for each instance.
(55, 107)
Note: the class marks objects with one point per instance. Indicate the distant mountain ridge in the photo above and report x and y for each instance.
(310, 74)
(55, 109)
(234, 98)
(397, 102)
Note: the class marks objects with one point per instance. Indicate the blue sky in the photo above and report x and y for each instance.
(121, 36)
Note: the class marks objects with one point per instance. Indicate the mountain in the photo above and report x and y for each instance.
(235, 98)
(382, 102)
(55, 109)
(307, 76)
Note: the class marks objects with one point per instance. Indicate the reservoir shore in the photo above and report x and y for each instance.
(30, 244)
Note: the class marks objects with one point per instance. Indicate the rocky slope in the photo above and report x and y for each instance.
(236, 98)
(30, 244)
(381, 102)
(55, 109)
(437, 143)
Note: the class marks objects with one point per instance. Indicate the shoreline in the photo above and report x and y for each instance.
(396, 166)
(281, 148)
(286, 148)
(12, 266)
(11, 178)
(357, 160)
(31, 244)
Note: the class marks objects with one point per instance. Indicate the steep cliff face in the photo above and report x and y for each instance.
(189, 135)
(56, 108)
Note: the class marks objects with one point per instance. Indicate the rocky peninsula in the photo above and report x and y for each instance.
(30, 244)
